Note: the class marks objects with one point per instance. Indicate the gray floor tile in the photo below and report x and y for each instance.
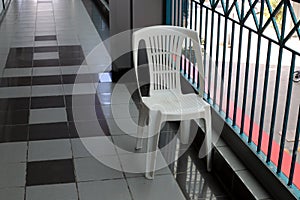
(13, 152)
(46, 71)
(45, 43)
(83, 69)
(13, 92)
(12, 175)
(122, 126)
(46, 55)
(134, 164)
(80, 88)
(89, 169)
(162, 187)
(110, 189)
(47, 90)
(49, 150)
(12, 193)
(51, 192)
(92, 146)
(49, 115)
(17, 72)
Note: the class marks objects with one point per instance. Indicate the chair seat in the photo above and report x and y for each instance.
(172, 104)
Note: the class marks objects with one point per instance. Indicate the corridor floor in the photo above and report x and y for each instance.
(49, 152)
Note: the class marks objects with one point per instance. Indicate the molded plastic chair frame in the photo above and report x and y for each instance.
(164, 50)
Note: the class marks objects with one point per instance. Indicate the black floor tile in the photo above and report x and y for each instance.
(45, 49)
(50, 172)
(69, 55)
(14, 117)
(46, 63)
(13, 133)
(88, 129)
(13, 104)
(80, 78)
(47, 102)
(84, 113)
(81, 100)
(46, 80)
(70, 48)
(20, 50)
(15, 81)
(45, 38)
(48, 131)
(72, 61)
(18, 63)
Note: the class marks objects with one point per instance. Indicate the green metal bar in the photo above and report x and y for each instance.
(264, 99)
(277, 82)
(246, 83)
(296, 27)
(237, 77)
(295, 149)
(257, 64)
(252, 11)
(293, 16)
(210, 53)
(205, 41)
(230, 71)
(223, 64)
(217, 61)
(168, 12)
(286, 114)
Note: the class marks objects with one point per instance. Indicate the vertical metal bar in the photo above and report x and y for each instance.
(286, 114)
(210, 52)
(217, 61)
(223, 63)
(295, 149)
(246, 83)
(168, 12)
(275, 101)
(237, 77)
(264, 99)
(205, 42)
(230, 70)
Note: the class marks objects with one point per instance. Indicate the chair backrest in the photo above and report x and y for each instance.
(164, 45)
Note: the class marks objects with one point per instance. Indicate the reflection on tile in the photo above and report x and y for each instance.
(142, 188)
(49, 192)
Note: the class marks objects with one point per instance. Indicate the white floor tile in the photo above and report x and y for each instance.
(110, 189)
(46, 71)
(49, 150)
(161, 187)
(17, 72)
(13, 152)
(14, 92)
(44, 43)
(12, 175)
(47, 90)
(51, 192)
(92, 146)
(80, 88)
(12, 193)
(90, 169)
(48, 115)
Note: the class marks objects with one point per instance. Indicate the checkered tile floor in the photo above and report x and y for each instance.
(54, 98)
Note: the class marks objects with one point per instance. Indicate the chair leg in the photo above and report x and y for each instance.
(140, 129)
(208, 137)
(185, 131)
(152, 146)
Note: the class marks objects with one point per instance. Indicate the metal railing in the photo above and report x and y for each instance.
(251, 51)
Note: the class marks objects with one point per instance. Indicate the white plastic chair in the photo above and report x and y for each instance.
(165, 101)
